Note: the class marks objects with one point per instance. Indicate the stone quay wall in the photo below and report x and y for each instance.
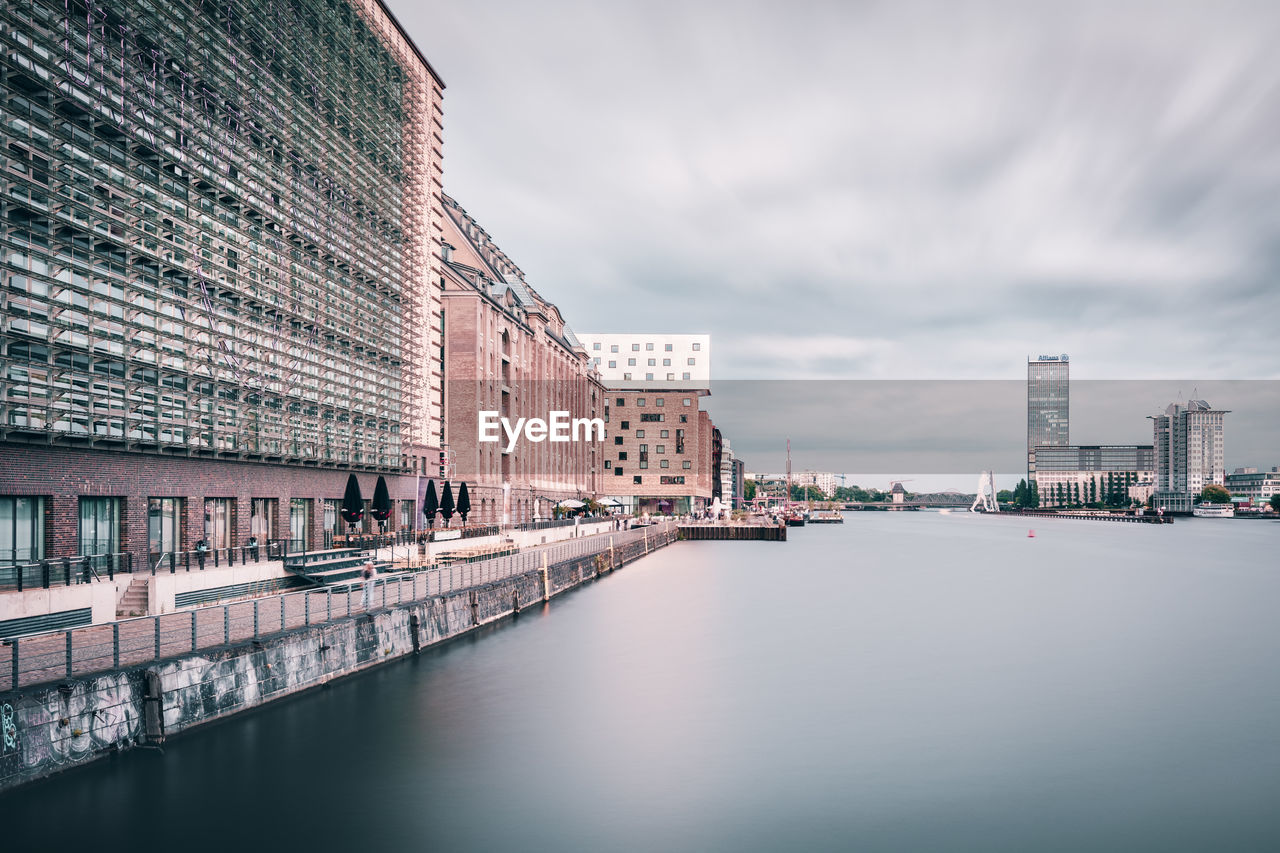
(53, 727)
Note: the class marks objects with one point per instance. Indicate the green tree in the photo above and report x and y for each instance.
(1004, 496)
(1275, 501)
(1060, 494)
(1093, 491)
(1035, 494)
(1215, 494)
(749, 490)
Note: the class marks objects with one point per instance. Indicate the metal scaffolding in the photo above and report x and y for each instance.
(219, 229)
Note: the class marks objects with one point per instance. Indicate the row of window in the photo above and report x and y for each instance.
(696, 347)
(658, 401)
(653, 362)
(666, 481)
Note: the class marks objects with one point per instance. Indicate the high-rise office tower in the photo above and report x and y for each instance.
(1048, 406)
(1189, 453)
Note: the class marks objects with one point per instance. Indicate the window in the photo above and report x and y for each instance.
(595, 360)
(635, 348)
(670, 377)
(613, 363)
(617, 472)
(613, 348)
(626, 424)
(622, 401)
(596, 347)
(687, 376)
(299, 523)
(661, 401)
(636, 479)
(617, 439)
(639, 433)
(622, 457)
(661, 448)
(644, 463)
(666, 433)
(262, 519)
(649, 347)
(650, 417)
(219, 521)
(626, 377)
(631, 362)
(696, 348)
(671, 481)
(21, 530)
(648, 377)
(99, 526)
(692, 361)
(686, 464)
(640, 401)
(687, 401)
(666, 362)
(667, 348)
(684, 419)
(652, 362)
(164, 524)
(663, 463)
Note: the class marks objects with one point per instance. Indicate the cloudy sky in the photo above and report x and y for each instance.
(882, 188)
(876, 190)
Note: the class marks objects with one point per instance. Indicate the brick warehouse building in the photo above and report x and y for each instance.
(221, 231)
(508, 350)
(661, 453)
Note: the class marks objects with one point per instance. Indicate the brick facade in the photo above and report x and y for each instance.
(63, 475)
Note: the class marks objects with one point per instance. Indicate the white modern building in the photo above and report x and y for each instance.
(1254, 485)
(636, 361)
(1189, 453)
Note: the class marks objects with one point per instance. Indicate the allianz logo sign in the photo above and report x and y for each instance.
(557, 427)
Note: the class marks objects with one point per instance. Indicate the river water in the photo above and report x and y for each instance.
(905, 681)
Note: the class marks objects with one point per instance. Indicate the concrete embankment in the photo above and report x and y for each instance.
(60, 725)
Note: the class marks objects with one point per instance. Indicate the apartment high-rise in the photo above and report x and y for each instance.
(1189, 453)
(1048, 406)
(219, 267)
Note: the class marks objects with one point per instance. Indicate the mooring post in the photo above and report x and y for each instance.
(546, 579)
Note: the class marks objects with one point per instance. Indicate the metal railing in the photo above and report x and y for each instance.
(543, 525)
(56, 655)
(63, 571)
(173, 562)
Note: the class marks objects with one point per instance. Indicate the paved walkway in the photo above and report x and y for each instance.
(44, 658)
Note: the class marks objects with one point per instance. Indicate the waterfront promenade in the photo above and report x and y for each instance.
(45, 658)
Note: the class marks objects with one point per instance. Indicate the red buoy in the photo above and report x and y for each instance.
(1031, 534)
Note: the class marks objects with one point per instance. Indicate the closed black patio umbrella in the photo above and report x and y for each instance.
(446, 503)
(430, 504)
(381, 506)
(464, 503)
(352, 502)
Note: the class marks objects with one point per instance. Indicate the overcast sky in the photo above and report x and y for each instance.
(882, 189)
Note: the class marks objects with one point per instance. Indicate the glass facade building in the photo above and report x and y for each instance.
(1048, 406)
(219, 269)
(218, 232)
(1097, 473)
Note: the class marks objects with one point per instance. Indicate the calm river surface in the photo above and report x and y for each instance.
(911, 681)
